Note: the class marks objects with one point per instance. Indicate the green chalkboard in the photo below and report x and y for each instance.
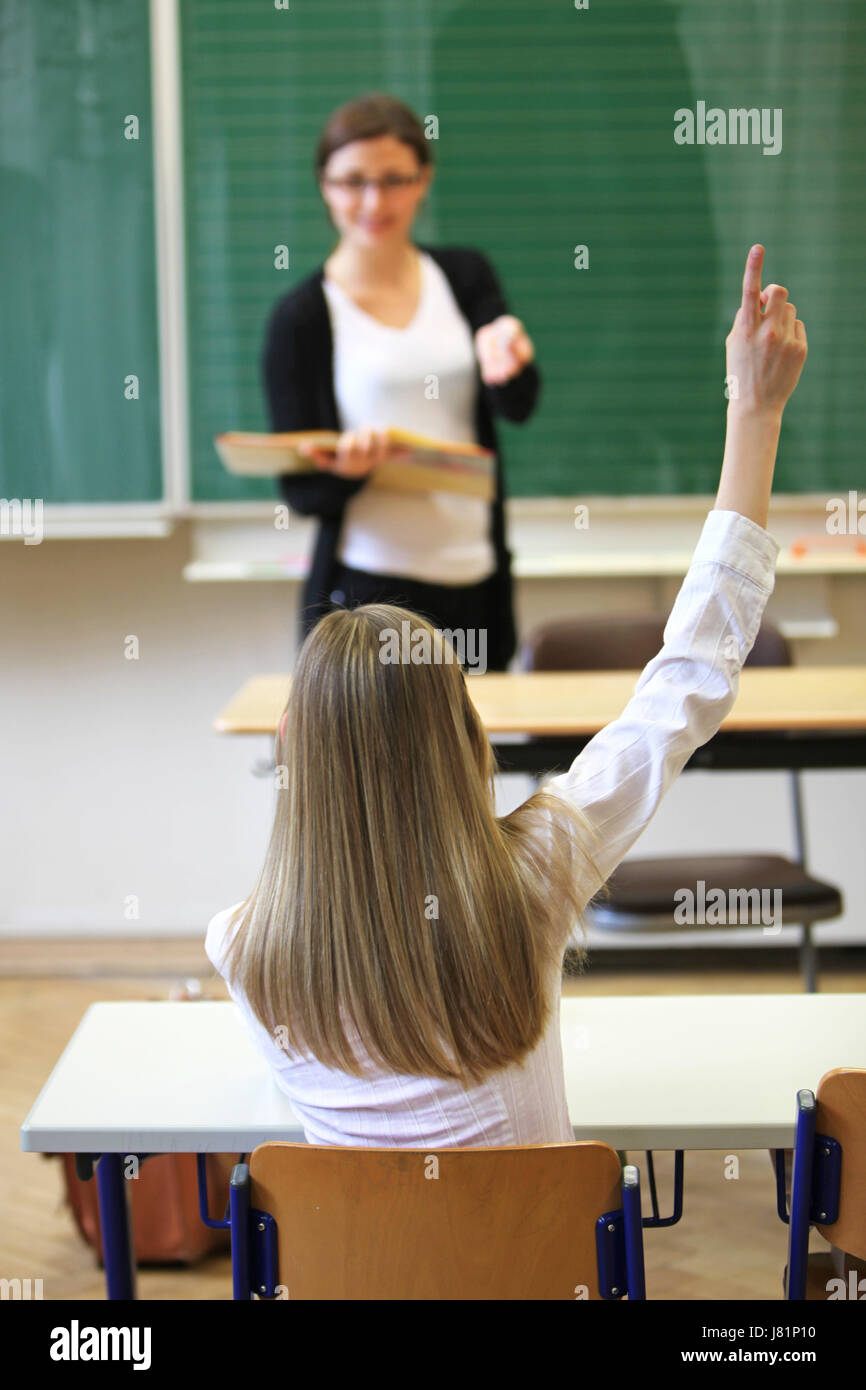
(77, 254)
(556, 130)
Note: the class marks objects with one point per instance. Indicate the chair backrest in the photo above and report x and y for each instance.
(841, 1114)
(622, 642)
(770, 648)
(497, 1223)
(614, 642)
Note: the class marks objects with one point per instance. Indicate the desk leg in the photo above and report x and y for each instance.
(117, 1246)
(808, 960)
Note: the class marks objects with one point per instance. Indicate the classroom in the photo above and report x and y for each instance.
(434, 681)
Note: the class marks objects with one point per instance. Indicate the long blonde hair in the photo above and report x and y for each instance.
(393, 904)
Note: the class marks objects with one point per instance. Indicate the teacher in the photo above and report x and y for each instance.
(387, 333)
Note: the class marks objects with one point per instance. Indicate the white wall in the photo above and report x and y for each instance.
(114, 783)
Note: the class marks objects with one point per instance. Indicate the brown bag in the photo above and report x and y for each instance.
(163, 1200)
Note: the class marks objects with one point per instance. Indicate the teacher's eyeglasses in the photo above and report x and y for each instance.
(391, 183)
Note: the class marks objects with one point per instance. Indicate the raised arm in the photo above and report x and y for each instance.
(685, 692)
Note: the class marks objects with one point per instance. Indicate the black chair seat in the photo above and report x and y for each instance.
(650, 887)
(644, 892)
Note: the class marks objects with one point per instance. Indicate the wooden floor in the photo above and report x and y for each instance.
(729, 1245)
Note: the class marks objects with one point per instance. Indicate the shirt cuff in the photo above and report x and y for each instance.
(730, 539)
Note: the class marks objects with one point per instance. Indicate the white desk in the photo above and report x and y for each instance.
(682, 1072)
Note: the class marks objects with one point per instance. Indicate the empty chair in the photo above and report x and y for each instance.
(828, 1189)
(546, 1221)
(647, 894)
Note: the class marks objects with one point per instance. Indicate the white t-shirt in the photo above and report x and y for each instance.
(617, 781)
(421, 378)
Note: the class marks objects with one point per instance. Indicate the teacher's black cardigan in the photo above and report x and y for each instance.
(297, 367)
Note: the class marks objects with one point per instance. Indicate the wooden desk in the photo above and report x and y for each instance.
(813, 716)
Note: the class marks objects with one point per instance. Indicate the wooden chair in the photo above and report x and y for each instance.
(545, 1221)
(642, 891)
(828, 1187)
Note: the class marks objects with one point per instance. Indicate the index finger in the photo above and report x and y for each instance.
(752, 283)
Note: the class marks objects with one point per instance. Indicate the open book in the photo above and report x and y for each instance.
(414, 464)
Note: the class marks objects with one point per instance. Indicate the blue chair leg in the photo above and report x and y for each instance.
(634, 1262)
(801, 1197)
(117, 1247)
(239, 1217)
(203, 1203)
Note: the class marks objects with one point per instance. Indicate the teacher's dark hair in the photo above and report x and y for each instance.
(366, 118)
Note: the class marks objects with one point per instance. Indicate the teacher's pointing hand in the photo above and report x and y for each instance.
(503, 349)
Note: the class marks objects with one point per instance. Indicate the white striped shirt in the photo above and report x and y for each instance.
(617, 782)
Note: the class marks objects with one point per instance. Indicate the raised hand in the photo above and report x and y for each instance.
(765, 356)
(766, 347)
